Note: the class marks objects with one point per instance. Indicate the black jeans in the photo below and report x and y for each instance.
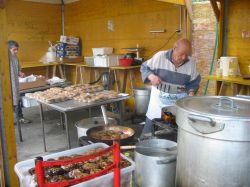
(18, 110)
(147, 127)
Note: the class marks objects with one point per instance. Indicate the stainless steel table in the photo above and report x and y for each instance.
(72, 105)
(30, 90)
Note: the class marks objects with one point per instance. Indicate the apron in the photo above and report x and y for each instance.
(160, 99)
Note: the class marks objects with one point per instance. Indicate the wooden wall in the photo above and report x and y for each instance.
(239, 19)
(32, 25)
(132, 20)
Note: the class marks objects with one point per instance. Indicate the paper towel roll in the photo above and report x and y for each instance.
(51, 56)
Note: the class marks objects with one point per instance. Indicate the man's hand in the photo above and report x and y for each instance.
(191, 94)
(154, 79)
(21, 74)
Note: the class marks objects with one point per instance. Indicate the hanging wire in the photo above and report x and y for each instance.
(170, 37)
(214, 52)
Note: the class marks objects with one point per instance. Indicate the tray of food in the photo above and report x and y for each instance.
(27, 177)
(56, 94)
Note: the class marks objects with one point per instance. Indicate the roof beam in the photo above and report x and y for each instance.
(2, 3)
(189, 8)
(178, 2)
(216, 9)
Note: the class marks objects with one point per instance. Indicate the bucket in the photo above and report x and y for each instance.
(142, 96)
(84, 124)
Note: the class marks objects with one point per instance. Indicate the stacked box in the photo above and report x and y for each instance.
(68, 47)
(67, 50)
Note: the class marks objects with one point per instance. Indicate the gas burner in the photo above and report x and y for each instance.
(164, 124)
(164, 129)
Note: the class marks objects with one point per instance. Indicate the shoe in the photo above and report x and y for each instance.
(24, 121)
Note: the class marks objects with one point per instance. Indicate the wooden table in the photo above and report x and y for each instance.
(95, 72)
(123, 71)
(237, 83)
(54, 66)
(126, 70)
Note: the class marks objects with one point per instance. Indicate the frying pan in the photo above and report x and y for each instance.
(116, 128)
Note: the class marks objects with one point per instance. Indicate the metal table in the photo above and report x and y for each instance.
(72, 105)
(30, 90)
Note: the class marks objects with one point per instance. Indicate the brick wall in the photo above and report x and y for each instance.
(203, 37)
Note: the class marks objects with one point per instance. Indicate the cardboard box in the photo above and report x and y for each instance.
(38, 83)
(69, 40)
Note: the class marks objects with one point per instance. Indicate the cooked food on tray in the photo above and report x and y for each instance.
(80, 169)
(109, 135)
(83, 93)
(95, 97)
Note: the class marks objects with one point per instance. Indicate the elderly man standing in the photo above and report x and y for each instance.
(15, 72)
(173, 75)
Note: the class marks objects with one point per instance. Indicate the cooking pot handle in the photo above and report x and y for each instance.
(167, 161)
(223, 100)
(202, 127)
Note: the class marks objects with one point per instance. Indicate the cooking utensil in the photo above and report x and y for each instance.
(104, 114)
(166, 150)
(213, 141)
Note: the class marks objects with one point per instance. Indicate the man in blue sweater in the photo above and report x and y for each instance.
(173, 75)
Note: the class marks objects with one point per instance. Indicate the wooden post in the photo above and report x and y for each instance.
(8, 121)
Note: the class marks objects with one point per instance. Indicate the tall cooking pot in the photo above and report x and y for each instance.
(155, 163)
(142, 96)
(213, 142)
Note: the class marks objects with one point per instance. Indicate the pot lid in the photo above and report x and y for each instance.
(220, 106)
(157, 148)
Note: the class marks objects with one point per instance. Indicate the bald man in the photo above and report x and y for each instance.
(173, 75)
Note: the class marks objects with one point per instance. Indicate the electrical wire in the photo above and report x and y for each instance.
(212, 61)
(170, 37)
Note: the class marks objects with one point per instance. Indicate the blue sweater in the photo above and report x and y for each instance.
(161, 65)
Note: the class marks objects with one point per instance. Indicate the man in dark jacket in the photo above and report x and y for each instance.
(15, 73)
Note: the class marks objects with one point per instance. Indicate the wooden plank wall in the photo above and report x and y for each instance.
(32, 25)
(132, 21)
(239, 14)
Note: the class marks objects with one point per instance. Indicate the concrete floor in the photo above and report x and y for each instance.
(56, 140)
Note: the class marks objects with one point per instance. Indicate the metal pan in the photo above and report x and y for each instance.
(94, 134)
(109, 133)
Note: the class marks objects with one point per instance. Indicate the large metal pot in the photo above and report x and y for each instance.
(213, 142)
(142, 96)
(155, 167)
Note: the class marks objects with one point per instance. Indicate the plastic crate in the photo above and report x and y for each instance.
(26, 180)
(107, 60)
(28, 102)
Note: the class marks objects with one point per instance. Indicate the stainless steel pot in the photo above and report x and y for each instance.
(213, 142)
(155, 167)
(142, 96)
